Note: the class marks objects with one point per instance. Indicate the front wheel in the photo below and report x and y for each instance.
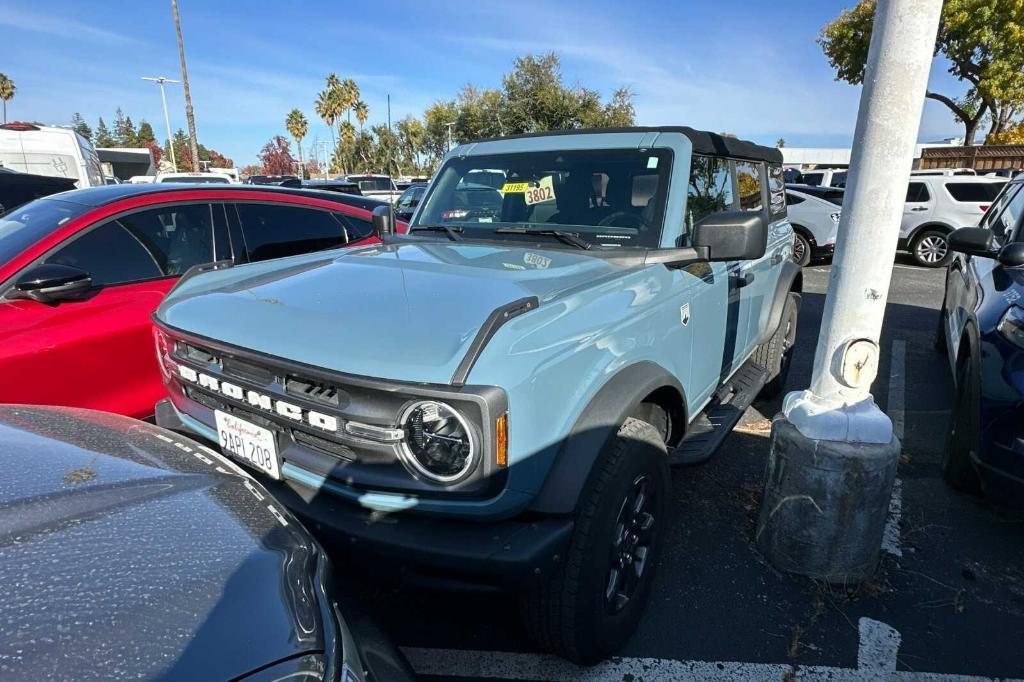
(930, 249)
(962, 446)
(801, 249)
(776, 354)
(592, 601)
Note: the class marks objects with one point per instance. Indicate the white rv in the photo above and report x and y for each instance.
(51, 151)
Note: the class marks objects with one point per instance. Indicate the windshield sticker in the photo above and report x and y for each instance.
(652, 161)
(536, 260)
(514, 187)
(544, 191)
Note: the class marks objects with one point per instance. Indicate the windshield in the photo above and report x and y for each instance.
(24, 226)
(375, 184)
(610, 198)
(198, 181)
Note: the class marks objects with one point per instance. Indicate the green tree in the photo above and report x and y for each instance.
(124, 130)
(7, 90)
(362, 111)
(780, 143)
(411, 136)
(103, 138)
(979, 38)
(297, 126)
(145, 133)
(80, 126)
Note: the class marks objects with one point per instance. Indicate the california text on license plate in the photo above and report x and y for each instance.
(249, 443)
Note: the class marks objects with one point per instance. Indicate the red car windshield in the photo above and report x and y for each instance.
(24, 226)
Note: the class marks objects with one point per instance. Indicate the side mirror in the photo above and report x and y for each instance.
(732, 235)
(1012, 255)
(383, 221)
(973, 241)
(51, 283)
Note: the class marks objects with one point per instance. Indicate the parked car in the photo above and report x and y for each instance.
(141, 179)
(20, 188)
(51, 151)
(827, 177)
(512, 387)
(947, 172)
(269, 179)
(981, 330)
(410, 199)
(377, 186)
(814, 213)
(128, 551)
(81, 272)
(327, 185)
(937, 205)
(194, 178)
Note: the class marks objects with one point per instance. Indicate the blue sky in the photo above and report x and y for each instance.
(747, 67)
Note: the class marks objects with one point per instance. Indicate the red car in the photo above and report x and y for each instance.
(81, 272)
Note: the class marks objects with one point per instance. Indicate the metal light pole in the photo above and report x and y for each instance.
(449, 126)
(160, 80)
(833, 453)
(189, 115)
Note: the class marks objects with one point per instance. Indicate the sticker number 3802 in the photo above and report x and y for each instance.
(544, 191)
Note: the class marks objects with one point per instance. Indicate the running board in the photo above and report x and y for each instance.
(710, 428)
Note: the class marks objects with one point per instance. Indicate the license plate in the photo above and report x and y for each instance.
(253, 445)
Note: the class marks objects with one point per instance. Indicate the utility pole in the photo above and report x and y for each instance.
(189, 114)
(833, 452)
(449, 126)
(160, 80)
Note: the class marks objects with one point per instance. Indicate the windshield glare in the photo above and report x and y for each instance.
(612, 198)
(24, 226)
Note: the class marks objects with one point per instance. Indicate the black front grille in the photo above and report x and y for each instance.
(204, 398)
(196, 354)
(324, 445)
(245, 370)
(308, 389)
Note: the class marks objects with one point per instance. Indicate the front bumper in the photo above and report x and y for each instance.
(499, 553)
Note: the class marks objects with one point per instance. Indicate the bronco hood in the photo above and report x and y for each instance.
(404, 311)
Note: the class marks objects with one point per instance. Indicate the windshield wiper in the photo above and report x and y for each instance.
(564, 237)
(452, 232)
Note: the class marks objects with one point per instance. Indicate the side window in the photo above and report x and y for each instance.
(917, 192)
(358, 228)
(111, 255)
(749, 179)
(777, 194)
(1010, 217)
(709, 190)
(974, 192)
(158, 242)
(276, 231)
(792, 199)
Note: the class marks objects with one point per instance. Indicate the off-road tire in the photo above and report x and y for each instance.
(567, 612)
(918, 252)
(964, 433)
(801, 246)
(776, 353)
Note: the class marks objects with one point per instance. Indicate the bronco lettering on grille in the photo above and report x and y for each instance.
(258, 400)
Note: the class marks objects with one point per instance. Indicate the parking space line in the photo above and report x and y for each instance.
(896, 410)
(878, 646)
(891, 533)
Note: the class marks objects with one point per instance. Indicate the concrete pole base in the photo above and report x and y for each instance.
(825, 503)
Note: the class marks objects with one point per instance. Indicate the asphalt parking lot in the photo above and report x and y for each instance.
(947, 601)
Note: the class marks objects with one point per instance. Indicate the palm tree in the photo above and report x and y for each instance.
(349, 96)
(324, 107)
(362, 113)
(298, 126)
(7, 91)
(347, 133)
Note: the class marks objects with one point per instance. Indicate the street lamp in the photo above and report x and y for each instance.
(160, 80)
(449, 126)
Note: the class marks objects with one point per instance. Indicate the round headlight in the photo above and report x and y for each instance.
(438, 442)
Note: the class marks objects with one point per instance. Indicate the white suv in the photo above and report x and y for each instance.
(937, 205)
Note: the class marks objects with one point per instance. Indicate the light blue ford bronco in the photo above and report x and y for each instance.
(496, 396)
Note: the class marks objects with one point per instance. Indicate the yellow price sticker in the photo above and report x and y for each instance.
(514, 187)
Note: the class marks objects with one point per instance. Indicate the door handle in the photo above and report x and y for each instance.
(740, 281)
(919, 208)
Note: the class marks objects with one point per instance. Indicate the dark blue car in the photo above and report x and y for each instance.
(981, 329)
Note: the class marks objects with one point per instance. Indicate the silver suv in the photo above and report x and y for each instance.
(937, 205)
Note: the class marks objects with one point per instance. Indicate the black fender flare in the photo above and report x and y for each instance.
(791, 279)
(599, 422)
(938, 227)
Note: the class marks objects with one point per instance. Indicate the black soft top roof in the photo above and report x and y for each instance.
(703, 142)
